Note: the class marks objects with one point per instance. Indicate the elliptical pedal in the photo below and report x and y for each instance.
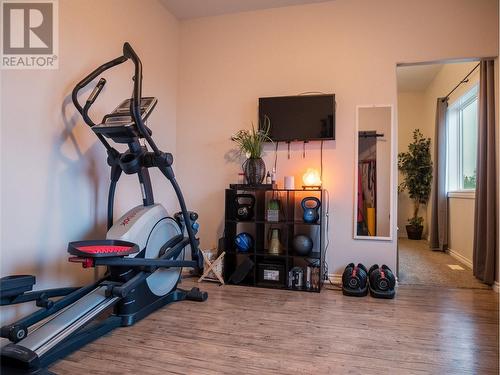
(14, 285)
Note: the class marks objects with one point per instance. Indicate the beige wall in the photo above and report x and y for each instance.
(461, 228)
(349, 47)
(54, 176)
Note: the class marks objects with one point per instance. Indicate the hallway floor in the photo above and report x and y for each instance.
(418, 265)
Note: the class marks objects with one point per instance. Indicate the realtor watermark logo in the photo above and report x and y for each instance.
(30, 35)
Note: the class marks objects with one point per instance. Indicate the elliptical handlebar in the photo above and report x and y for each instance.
(97, 90)
(84, 82)
(135, 103)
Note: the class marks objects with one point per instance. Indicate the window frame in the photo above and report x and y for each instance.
(455, 183)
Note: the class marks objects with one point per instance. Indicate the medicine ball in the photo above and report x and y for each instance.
(243, 242)
(244, 206)
(355, 280)
(302, 244)
(382, 282)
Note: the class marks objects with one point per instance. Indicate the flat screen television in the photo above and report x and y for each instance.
(299, 118)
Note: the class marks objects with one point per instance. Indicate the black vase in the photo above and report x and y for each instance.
(255, 170)
(414, 232)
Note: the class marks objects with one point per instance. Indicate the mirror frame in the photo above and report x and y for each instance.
(391, 182)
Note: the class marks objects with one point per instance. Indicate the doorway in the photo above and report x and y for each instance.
(419, 87)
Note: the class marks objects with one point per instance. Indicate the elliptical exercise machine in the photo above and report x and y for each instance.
(144, 251)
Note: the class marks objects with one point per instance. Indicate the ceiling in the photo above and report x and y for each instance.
(416, 77)
(185, 9)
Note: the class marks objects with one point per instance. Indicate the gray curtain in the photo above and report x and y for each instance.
(439, 199)
(485, 220)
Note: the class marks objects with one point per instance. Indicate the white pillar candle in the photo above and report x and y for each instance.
(289, 182)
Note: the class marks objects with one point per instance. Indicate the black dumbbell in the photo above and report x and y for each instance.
(355, 280)
(382, 281)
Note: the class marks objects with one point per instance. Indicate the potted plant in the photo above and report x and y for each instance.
(416, 168)
(250, 144)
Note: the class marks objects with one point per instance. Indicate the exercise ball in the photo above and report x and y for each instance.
(243, 242)
(302, 244)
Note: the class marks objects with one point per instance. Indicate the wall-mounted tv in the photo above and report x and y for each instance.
(299, 118)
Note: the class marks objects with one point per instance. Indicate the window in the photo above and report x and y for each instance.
(462, 142)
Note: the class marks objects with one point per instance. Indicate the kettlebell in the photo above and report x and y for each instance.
(311, 213)
(244, 210)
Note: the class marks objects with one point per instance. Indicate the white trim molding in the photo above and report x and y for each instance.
(460, 257)
(496, 287)
(336, 278)
(462, 194)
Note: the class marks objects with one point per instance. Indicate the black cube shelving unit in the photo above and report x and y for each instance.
(290, 224)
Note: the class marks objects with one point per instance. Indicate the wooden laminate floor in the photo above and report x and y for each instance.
(260, 331)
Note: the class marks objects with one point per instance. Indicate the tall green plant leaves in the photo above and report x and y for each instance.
(416, 167)
(250, 141)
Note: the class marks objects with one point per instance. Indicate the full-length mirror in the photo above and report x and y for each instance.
(373, 173)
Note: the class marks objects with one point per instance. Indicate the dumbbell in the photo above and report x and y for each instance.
(382, 281)
(355, 280)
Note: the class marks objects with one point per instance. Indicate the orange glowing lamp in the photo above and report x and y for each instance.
(311, 179)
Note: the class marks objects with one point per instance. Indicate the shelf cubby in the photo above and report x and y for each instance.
(290, 223)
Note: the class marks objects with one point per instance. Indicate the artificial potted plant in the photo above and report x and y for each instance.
(416, 168)
(250, 144)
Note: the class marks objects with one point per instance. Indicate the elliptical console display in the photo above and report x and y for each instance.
(119, 125)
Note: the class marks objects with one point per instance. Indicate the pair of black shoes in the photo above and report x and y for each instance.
(357, 280)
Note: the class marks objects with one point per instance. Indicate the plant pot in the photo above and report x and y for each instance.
(414, 232)
(254, 170)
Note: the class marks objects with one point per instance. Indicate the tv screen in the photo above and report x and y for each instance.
(299, 118)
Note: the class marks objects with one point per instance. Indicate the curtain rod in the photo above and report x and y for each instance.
(464, 80)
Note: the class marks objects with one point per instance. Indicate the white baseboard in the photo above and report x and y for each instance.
(336, 278)
(403, 236)
(460, 257)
